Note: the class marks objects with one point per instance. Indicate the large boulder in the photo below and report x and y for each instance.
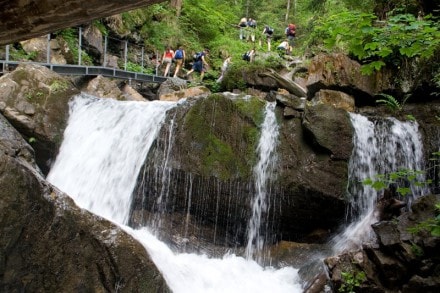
(35, 101)
(339, 72)
(49, 244)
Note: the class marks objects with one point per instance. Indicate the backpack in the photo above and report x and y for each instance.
(197, 56)
(291, 30)
(178, 54)
(269, 30)
(247, 56)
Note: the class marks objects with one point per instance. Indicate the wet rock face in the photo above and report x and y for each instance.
(209, 170)
(49, 244)
(22, 20)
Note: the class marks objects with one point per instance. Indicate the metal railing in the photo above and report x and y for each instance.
(67, 69)
(80, 69)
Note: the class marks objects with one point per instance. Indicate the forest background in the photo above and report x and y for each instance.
(377, 33)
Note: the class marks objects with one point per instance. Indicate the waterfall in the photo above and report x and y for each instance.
(105, 143)
(104, 146)
(263, 171)
(380, 147)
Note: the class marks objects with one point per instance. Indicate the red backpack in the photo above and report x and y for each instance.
(291, 30)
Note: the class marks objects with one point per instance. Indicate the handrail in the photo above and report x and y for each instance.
(68, 69)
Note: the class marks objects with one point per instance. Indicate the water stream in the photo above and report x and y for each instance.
(263, 172)
(103, 149)
(380, 147)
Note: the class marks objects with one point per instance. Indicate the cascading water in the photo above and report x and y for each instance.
(263, 174)
(104, 146)
(380, 147)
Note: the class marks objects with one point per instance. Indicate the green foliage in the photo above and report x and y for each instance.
(383, 181)
(59, 85)
(430, 225)
(22, 55)
(390, 102)
(393, 104)
(70, 35)
(378, 43)
(351, 281)
(131, 66)
(417, 250)
(100, 26)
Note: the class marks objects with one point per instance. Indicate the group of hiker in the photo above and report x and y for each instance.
(179, 57)
(247, 28)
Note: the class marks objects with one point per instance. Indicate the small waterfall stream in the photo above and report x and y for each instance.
(380, 147)
(263, 172)
(104, 146)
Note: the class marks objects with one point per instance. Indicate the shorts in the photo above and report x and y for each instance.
(178, 61)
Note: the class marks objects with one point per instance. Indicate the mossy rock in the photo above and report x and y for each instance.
(220, 135)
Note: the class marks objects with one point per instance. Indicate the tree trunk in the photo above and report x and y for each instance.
(177, 4)
(287, 11)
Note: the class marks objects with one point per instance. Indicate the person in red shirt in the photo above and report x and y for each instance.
(167, 58)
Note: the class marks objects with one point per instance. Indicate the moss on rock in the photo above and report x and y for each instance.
(224, 134)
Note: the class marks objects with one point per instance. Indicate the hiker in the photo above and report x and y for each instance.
(268, 32)
(284, 47)
(179, 59)
(225, 66)
(200, 65)
(291, 34)
(251, 28)
(167, 58)
(249, 55)
(242, 25)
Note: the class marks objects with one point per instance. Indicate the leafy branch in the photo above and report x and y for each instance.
(378, 43)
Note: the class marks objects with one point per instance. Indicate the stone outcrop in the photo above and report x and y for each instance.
(35, 101)
(339, 72)
(26, 20)
(401, 262)
(49, 244)
(104, 88)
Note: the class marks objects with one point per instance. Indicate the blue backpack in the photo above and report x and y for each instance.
(198, 56)
(178, 54)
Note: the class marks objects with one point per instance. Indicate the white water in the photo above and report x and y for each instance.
(379, 148)
(104, 146)
(263, 173)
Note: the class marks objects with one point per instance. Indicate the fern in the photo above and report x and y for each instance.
(390, 102)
